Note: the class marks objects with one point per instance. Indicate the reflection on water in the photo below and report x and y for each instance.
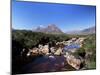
(71, 47)
(47, 64)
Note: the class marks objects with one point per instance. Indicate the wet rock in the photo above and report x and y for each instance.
(51, 56)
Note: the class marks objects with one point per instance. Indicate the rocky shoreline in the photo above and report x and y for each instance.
(59, 50)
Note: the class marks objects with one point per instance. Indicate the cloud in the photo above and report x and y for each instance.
(42, 26)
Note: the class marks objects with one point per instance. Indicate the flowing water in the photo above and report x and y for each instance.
(71, 47)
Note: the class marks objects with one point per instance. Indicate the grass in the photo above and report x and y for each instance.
(91, 65)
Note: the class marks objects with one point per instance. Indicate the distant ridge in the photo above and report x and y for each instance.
(90, 30)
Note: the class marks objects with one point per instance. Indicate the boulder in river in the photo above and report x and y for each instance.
(74, 62)
(52, 49)
(45, 49)
(58, 52)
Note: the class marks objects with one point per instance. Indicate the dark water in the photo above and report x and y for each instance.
(47, 64)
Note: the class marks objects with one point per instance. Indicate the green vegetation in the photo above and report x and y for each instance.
(90, 48)
(30, 39)
(80, 52)
(88, 51)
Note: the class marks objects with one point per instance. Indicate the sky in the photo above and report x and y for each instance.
(67, 17)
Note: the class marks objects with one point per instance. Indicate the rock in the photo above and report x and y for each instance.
(58, 43)
(24, 52)
(45, 49)
(33, 52)
(40, 46)
(58, 52)
(73, 39)
(52, 49)
(52, 57)
(47, 54)
(28, 54)
(74, 62)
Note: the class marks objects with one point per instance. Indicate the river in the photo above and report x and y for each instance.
(47, 64)
(71, 47)
(50, 63)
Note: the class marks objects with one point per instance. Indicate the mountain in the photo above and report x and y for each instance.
(73, 32)
(52, 28)
(90, 30)
(86, 31)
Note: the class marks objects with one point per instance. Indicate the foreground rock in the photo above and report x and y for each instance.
(41, 50)
(73, 61)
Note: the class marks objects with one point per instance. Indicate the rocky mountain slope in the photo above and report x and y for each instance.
(52, 28)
